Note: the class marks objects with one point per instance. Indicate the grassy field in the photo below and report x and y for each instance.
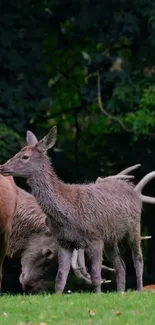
(78, 309)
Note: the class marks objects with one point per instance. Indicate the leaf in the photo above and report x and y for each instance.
(91, 312)
(118, 313)
(86, 56)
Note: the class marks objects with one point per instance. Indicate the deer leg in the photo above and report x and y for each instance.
(4, 241)
(64, 265)
(95, 254)
(135, 245)
(114, 257)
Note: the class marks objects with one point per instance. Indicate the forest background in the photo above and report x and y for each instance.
(88, 67)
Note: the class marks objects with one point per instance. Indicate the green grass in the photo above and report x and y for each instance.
(78, 309)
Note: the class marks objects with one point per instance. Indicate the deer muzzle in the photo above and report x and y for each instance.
(4, 170)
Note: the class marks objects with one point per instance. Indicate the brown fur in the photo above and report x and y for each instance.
(28, 219)
(8, 200)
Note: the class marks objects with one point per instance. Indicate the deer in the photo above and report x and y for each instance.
(31, 241)
(37, 247)
(83, 215)
(17, 210)
(8, 201)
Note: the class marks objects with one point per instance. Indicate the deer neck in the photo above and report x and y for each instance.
(57, 200)
(49, 191)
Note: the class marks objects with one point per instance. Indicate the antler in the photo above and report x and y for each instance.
(122, 174)
(79, 267)
(129, 169)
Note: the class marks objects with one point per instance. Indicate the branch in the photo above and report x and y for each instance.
(100, 103)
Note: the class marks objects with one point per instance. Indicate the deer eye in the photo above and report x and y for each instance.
(25, 157)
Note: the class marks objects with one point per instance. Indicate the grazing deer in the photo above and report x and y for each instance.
(83, 215)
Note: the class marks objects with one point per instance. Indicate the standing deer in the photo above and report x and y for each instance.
(8, 200)
(37, 248)
(83, 215)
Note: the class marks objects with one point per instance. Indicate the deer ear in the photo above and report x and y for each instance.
(48, 141)
(31, 138)
(48, 253)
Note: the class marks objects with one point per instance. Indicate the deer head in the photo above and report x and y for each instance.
(37, 263)
(29, 160)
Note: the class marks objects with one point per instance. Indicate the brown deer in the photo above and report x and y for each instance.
(8, 200)
(37, 248)
(83, 215)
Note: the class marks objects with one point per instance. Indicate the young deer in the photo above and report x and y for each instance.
(8, 200)
(37, 248)
(83, 215)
